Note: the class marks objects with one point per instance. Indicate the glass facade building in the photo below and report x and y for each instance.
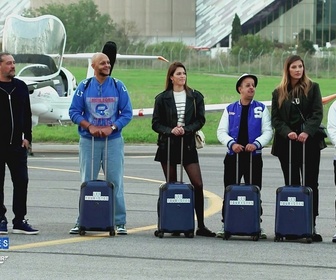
(294, 20)
(209, 22)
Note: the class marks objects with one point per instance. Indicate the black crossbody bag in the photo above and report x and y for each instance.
(321, 133)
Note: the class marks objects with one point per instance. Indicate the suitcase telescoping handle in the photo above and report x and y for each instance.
(168, 160)
(92, 158)
(237, 168)
(303, 163)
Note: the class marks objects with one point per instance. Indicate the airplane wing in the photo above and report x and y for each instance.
(119, 56)
(208, 108)
(88, 56)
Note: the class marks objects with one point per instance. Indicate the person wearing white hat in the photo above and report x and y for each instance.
(245, 127)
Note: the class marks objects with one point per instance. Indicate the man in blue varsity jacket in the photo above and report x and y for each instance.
(245, 127)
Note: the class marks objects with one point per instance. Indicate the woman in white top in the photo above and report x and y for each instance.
(179, 112)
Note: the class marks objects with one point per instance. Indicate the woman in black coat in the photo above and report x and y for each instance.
(297, 112)
(179, 112)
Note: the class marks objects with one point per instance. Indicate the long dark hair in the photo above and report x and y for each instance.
(303, 85)
(171, 70)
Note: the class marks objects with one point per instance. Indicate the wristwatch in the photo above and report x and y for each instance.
(113, 127)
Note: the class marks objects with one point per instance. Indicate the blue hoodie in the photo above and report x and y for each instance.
(101, 105)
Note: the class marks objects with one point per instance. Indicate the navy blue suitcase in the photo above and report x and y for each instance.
(96, 207)
(96, 211)
(294, 213)
(176, 205)
(176, 209)
(294, 209)
(242, 208)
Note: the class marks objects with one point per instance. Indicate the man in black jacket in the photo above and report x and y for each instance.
(16, 136)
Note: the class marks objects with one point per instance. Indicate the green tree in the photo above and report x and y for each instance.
(87, 29)
(306, 46)
(236, 32)
(251, 46)
(127, 40)
(170, 50)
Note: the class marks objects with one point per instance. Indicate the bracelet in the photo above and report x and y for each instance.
(87, 128)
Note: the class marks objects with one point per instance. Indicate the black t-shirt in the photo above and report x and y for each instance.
(243, 129)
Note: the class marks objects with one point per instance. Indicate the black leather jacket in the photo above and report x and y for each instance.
(165, 116)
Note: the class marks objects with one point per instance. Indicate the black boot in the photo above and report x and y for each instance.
(204, 231)
(316, 236)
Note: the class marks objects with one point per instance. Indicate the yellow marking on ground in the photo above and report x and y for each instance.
(214, 202)
(214, 205)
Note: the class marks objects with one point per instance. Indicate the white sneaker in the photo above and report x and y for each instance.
(262, 234)
(121, 230)
(74, 230)
(334, 238)
(220, 233)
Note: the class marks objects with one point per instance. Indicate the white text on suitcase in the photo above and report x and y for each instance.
(241, 200)
(178, 198)
(96, 196)
(291, 201)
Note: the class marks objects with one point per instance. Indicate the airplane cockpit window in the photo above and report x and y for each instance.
(34, 65)
(37, 45)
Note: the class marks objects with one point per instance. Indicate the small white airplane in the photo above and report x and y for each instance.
(37, 45)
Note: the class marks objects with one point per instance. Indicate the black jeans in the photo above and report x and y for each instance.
(230, 177)
(312, 167)
(16, 159)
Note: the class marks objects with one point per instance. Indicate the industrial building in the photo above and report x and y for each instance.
(208, 23)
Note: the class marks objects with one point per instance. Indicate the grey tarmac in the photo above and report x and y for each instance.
(53, 207)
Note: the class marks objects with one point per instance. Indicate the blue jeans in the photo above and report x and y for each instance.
(114, 172)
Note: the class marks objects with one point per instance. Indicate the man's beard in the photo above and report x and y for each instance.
(101, 73)
(10, 75)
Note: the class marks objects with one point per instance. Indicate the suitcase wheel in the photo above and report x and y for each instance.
(309, 240)
(255, 237)
(278, 238)
(226, 236)
(112, 232)
(189, 234)
(158, 233)
(81, 232)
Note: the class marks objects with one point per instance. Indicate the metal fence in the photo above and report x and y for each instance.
(321, 65)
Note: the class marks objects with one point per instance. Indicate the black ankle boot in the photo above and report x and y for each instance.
(204, 231)
(316, 236)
